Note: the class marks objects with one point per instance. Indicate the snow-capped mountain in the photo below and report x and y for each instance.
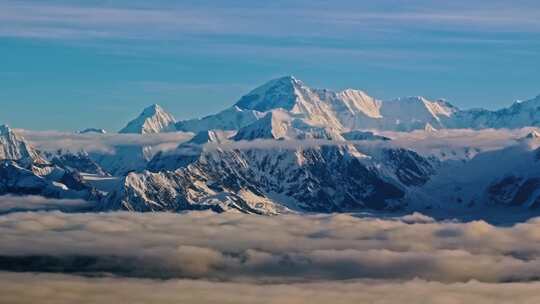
(518, 115)
(345, 110)
(79, 162)
(188, 152)
(317, 107)
(279, 124)
(350, 109)
(17, 180)
(267, 181)
(23, 171)
(14, 147)
(412, 113)
(501, 178)
(127, 158)
(123, 159)
(286, 147)
(152, 120)
(232, 118)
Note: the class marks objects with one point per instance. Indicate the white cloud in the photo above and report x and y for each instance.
(54, 140)
(50, 288)
(171, 21)
(290, 248)
(419, 141)
(11, 203)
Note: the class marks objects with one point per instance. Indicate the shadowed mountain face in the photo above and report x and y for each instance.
(266, 181)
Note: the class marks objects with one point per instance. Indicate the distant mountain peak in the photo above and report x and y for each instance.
(153, 119)
(276, 93)
(14, 147)
(152, 110)
(92, 130)
(352, 109)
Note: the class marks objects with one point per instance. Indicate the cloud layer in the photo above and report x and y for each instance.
(74, 20)
(58, 289)
(54, 140)
(234, 247)
(10, 204)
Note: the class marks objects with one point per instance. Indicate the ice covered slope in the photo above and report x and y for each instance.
(413, 113)
(279, 124)
(344, 110)
(323, 108)
(353, 109)
(17, 180)
(124, 159)
(152, 120)
(79, 162)
(508, 177)
(14, 147)
(267, 180)
(232, 118)
(518, 115)
(188, 152)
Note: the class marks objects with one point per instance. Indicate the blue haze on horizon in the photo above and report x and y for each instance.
(69, 65)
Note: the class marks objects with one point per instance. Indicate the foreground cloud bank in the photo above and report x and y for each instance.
(239, 248)
(59, 289)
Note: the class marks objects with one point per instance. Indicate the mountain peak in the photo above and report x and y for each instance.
(284, 79)
(277, 93)
(14, 147)
(153, 119)
(152, 109)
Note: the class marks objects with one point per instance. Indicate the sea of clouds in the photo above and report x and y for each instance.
(203, 257)
(288, 248)
(10, 204)
(63, 289)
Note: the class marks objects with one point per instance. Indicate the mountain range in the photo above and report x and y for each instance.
(286, 147)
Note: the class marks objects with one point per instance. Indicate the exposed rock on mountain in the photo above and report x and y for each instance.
(14, 147)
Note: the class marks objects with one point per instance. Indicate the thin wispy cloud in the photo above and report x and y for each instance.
(84, 21)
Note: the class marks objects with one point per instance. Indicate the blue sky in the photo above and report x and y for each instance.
(68, 65)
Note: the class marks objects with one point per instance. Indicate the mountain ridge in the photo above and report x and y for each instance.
(352, 109)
